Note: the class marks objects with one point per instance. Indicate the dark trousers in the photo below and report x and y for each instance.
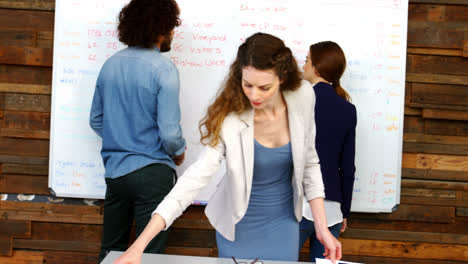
(134, 196)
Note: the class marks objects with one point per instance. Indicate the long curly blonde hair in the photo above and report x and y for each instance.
(263, 52)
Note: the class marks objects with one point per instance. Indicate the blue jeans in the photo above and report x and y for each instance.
(307, 230)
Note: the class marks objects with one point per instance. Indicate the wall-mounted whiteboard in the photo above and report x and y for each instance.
(371, 32)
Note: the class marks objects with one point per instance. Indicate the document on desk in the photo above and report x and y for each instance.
(327, 261)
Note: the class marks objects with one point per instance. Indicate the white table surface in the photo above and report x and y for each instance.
(176, 259)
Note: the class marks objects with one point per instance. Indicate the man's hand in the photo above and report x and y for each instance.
(179, 159)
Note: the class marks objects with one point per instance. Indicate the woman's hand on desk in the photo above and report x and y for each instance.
(331, 244)
(131, 256)
(135, 251)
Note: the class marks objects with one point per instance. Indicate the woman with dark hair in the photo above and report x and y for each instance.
(260, 124)
(335, 119)
(136, 111)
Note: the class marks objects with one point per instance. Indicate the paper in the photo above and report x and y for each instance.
(327, 261)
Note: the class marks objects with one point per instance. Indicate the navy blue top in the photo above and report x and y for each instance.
(335, 120)
(136, 111)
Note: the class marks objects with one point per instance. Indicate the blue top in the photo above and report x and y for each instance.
(269, 229)
(136, 111)
(272, 181)
(335, 120)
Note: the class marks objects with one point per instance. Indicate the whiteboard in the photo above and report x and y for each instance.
(372, 34)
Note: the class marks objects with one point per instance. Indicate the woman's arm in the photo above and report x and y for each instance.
(134, 253)
(347, 167)
(197, 176)
(331, 244)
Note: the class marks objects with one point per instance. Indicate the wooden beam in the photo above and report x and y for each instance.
(24, 160)
(27, 184)
(2, 103)
(428, 184)
(45, 39)
(441, 2)
(25, 88)
(26, 38)
(79, 246)
(445, 114)
(462, 211)
(192, 238)
(446, 127)
(30, 19)
(26, 56)
(404, 249)
(51, 217)
(424, 64)
(434, 148)
(408, 93)
(66, 232)
(46, 208)
(192, 224)
(23, 257)
(412, 111)
(24, 147)
(435, 162)
(26, 120)
(50, 212)
(20, 229)
(465, 45)
(435, 34)
(429, 174)
(437, 238)
(27, 102)
(435, 139)
(416, 213)
(436, 78)
(413, 124)
(429, 193)
(459, 226)
(21, 133)
(439, 94)
(436, 13)
(440, 106)
(18, 38)
(191, 251)
(24, 169)
(6, 245)
(45, 5)
(10, 229)
(441, 201)
(435, 51)
(20, 74)
(68, 257)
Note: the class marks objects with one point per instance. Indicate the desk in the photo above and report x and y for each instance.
(175, 259)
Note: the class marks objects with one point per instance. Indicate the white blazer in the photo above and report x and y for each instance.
(229, 203)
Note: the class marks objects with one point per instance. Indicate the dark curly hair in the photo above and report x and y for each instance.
(141, 22)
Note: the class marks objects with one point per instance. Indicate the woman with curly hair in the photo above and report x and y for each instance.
(136, 111)
(260, 124)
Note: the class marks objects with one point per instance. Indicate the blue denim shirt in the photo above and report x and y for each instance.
(136, 111)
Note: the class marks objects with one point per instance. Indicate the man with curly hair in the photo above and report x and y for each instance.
(136, 111)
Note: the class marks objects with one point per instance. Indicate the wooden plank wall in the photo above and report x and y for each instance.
(431, 225)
